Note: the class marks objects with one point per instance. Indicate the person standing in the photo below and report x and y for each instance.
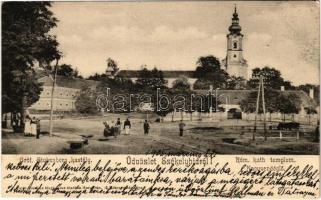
(317, 133)
(27, 128)
(113, 129)
(146, 128)
(38, 128)
(181, 126)
(33, 124)
(127, 126)
(14, 119)
(118, 125)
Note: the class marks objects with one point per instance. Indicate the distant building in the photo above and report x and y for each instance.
(65, 93)
(234, 63)
(169, 76)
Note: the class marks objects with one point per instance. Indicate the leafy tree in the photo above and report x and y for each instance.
(275, 101)
(248, 104)
(96, 77)
(26, 41)
(181, 90)
(162, 112)
(233, 83)
(150, 79)
(67, 71)
(86, 101)
(25, 91)
(310, 110)
(272, 78)
(181, 83)
(208, 72)
(271, 98)
(289, 104)
(306, 88)
(118, 86)
(205, 65)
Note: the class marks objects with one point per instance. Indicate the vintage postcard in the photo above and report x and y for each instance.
(153, 99)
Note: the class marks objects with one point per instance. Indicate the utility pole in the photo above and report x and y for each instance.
(257, 108)
(216, 98)
(263, 102)
(52, 98)
(260, 90)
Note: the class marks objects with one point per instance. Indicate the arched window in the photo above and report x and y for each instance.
(235, 45)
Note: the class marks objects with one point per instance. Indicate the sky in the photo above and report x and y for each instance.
(173, 35)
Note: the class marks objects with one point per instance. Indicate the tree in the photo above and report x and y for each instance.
(271, 98)
(205, 65)
(96, 77)
(162, 112)
(181, 90)
(86, 101)
(310, 110)
(233, 83)
(316, 90)
(26, 41)
(289, 104)
(272, 78)
(22, 84)
(151, 79)
(67, 71)
(181, 83)
(208, 72)
(275, 101)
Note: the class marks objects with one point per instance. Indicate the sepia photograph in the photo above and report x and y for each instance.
(150, 77)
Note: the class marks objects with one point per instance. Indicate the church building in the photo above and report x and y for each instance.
(234, 63)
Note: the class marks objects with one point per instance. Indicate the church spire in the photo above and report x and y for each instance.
(235, 28)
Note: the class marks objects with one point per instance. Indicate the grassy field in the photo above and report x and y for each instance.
(224, 137)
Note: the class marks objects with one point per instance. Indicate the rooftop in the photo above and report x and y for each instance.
(68, 82)
(167, 73)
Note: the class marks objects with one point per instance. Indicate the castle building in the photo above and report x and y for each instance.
(234, 63)
(65, 94)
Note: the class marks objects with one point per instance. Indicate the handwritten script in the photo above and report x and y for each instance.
(159, 176)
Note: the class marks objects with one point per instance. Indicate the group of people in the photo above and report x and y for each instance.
(32, 126)
(114, 129)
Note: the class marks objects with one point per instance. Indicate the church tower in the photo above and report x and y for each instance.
(234, 63)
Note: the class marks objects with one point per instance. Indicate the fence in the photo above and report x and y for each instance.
(274, 117)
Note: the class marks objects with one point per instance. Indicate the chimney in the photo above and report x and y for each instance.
(282, 88)
(311, 93)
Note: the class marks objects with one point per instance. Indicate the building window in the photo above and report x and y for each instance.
(234, 56)
(235, 45)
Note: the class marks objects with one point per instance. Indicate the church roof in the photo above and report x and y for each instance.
(235, 28)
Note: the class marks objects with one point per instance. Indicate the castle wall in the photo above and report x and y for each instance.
(64, 99)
